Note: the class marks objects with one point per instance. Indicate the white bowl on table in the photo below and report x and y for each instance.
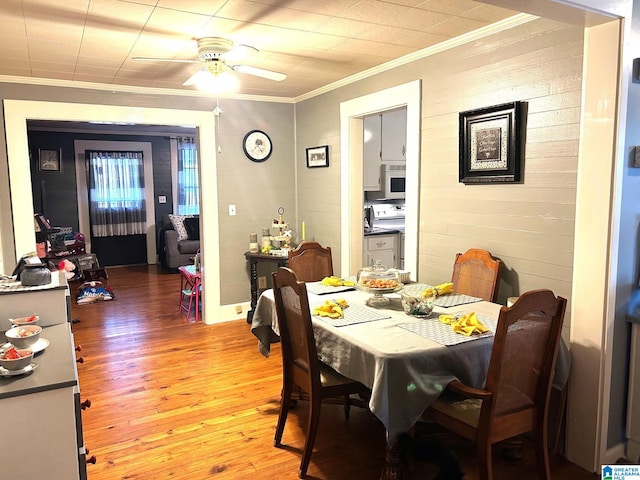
(13, 365)
(23, 336)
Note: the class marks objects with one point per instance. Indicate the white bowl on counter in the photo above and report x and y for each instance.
(23, 336)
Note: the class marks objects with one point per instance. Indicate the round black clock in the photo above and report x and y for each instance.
(257, 146)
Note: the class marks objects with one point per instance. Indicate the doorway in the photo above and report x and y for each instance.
(18, 112)
(352, 113)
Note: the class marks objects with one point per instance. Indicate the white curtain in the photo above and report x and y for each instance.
(116, 193)
(188, 185)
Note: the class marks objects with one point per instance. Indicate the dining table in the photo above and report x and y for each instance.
(406, 361)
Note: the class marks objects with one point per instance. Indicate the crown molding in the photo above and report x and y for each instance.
(51, 82)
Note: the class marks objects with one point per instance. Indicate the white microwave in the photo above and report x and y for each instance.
(392, 182)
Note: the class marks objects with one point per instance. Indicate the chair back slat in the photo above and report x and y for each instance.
(476, 273)
(299, 354)
(310, 261)
(524, 352)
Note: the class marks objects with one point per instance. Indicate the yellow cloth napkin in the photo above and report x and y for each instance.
(331, 308)
(336, 282)
(441, 289)
(465, 325)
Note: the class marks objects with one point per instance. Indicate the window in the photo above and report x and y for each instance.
(188, 184)
(116, 193)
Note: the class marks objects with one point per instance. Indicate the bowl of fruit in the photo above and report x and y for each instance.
(30, 320)
(13, 359)
(23, 336)
(418, 300)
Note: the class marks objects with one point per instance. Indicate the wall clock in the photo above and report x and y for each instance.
(257, 146)
(49, 160)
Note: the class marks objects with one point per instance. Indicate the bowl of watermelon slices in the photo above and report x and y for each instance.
(30, 320)
(13, 359)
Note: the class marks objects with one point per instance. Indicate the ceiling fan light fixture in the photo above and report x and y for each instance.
(213, 82)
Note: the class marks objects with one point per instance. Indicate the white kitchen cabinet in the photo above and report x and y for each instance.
(385, 140)
(42, 410)
(394, 136)
(381, 248)
(371, 153)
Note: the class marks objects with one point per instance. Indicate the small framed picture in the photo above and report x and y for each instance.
(318, 156)
(492, 143)
(49, 159)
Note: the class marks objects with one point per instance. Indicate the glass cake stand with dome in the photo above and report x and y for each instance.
(379, 281)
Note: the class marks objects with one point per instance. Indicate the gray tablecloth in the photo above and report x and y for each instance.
(404, 370)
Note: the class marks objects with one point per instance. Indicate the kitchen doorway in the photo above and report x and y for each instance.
(352, 113)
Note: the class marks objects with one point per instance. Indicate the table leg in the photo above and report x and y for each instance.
(253, 264)
(196, 287)
(392, 469)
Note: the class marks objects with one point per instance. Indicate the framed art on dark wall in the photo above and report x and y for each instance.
(492, 143)
(49, 159)
(318, 156)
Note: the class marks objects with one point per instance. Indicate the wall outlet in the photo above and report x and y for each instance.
(238, 309)
(162, 199)
(262, 282)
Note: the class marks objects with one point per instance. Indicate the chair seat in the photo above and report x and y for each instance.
(329, 378)
(465, 410)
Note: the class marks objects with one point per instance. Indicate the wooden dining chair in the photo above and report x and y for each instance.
(300, 364)
(476, 273)
(515, 399)
(311, 261)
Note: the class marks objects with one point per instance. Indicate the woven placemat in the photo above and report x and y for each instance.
(318, 288)
(435, 330)
(455, 299)
(354, 314)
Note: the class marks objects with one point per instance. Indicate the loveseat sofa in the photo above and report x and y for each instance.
(179, 240)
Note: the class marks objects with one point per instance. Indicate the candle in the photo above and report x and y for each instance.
(304, 232)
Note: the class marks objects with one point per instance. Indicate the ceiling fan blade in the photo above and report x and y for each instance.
(175, 60)
(239, 51)
(260, 72)
(196, 77)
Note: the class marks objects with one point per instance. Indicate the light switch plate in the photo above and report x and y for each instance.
(162, 199)
(232, 210)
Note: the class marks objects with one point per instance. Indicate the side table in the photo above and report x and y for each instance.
(190, 286)
(275, 261)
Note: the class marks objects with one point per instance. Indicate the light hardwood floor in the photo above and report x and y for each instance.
(177, 400)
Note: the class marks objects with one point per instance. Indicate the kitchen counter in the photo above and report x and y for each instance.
(52, 302)
(380, 231)
(56, 366)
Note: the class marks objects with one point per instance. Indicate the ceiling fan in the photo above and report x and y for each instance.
(216, 53)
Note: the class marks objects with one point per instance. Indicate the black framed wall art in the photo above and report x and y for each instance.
(492, 143)
(318, 156)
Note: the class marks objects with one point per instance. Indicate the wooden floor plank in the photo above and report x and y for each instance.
(176, 400)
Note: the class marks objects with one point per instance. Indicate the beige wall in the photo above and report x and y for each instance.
(540, 63)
